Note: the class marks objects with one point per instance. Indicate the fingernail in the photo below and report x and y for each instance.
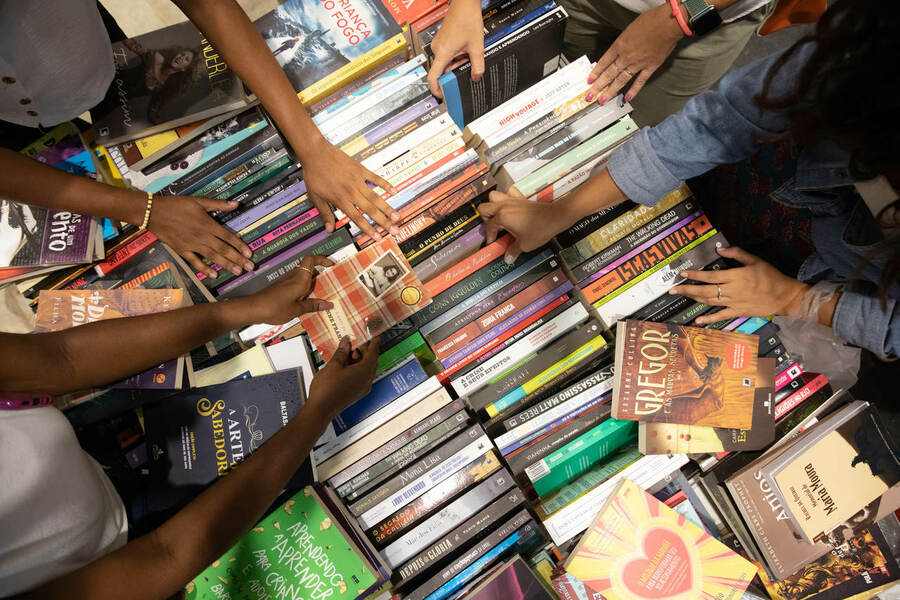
(329, 227)
(247, 253)
(212, 274)
(248, 266)
(344, 343)
(589, 96)
(395, 216)
(394, 230)
(509, 259)
(591, 79)
(601, 100)
(628, 97)
(236, 270)
(673, 291)
(326, 305)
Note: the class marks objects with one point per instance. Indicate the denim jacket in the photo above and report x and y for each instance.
(724, 126)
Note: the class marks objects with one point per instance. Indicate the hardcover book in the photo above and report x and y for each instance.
(299, 550)
(371, 292)
(684, 375)
(164, 79)
(639, 548)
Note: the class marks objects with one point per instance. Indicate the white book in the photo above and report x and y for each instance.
(404, 144)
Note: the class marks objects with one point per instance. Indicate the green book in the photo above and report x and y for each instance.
(298, 551)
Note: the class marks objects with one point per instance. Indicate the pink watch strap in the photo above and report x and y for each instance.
(676, 12)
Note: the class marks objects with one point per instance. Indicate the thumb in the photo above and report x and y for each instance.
(515, 193)
(209, 204)
(310, 305)
(512, 253)
(342, 353)
(440, 62)
(738, 254)
(476, 57)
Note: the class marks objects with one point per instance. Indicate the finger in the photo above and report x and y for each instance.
(608, 58)
(383, 184)
(476, 57)
(357, 217)
(342, 352)
(701, 293)
(739, 254)
(638, 84)
(706, 276)
(211, 204)
(722, 315)
(324, 211)
(380, 211)
(227, 257)
(617, 84)
(438, 65)
(306, 272)
(367, 207)
(198, 265)
(370, 351)
(311, 305)
(512, 252)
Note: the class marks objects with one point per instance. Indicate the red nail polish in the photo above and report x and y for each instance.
(588, 97)
(601, 100)
(591, 79)
(628, 97)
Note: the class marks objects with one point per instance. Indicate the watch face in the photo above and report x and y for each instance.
(706, 22)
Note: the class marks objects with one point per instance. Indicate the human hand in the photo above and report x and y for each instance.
(288, 296)
(334, 179)
(345, 379)
(755, 290)
(462, 32)
(636, 54)
(533, 224)
(183, 222)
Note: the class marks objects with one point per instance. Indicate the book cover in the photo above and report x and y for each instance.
(62, 309)
(164, 78)
(515, 580)
(684, 375)
(32, 236)
(639, 548)
(298, 551)
(371, 292)
(199, 435)
(832, 474)
(312, 40)
(385, 390)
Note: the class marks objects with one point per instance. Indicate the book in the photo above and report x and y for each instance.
(39, 237)
(514, 579)
(385, 390)
(300, 549)
(371, 292)
(637, 547)
(165, 78)
(685, 375)
(63, 309)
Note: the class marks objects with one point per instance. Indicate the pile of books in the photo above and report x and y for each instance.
(527, 419)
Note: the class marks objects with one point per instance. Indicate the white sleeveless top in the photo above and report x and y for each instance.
(58, 510)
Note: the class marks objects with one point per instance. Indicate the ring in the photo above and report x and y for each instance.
(306, 269)
(627, 72)
(719, 295)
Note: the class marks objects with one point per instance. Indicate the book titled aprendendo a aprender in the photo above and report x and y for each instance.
(685, 375)
(371, 292)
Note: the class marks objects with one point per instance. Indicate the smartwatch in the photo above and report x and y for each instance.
(703, 16)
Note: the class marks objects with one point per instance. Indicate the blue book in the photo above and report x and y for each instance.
(384, 391)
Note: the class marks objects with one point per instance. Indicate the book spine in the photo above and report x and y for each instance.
(267, 204)
(565, 184)
(359, 144)
(788, 375)
(496, 36)
(432, 528)
(470, 474)
(797, 398)
(462, 536)
(394, 445)
(278, 218)
(347, 91)
(636, 242)
(688, 315)
(463, 218)
(471, 234)
(593, 222)
(383, 392)
(602, 377)
(413, 92)
(452, 252)
(377, 419)
(266, 172)
(416, 449)
(393, 486)
(404, 130)
(124, 254)
(433, 215)
(478, 378)
(559, 468)
(398, 352)
(259, 192)
(548, 427)
(457, 273)
(256, 162)
(672, 306)
(417, 143)
(447, 167)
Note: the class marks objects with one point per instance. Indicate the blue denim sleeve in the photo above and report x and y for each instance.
(863, 321)
(716, 127)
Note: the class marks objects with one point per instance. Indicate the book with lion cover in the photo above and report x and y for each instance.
(638, 548)
(371, 291)
(685, 375)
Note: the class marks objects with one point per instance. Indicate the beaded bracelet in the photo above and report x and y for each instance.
(147, 211)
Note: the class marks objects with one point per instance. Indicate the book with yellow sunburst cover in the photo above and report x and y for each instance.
(638, 548)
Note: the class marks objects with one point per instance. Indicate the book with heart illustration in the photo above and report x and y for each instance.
(371, 291)
(638, 548)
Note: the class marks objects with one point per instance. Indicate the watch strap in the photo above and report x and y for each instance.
(696, 7)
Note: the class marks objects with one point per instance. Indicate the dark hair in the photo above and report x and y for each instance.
(849, 92)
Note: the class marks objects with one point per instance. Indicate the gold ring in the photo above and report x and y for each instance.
(719, 295)
(311, 272)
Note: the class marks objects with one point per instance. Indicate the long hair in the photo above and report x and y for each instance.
(849, 92)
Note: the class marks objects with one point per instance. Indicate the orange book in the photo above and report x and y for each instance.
(63, 309)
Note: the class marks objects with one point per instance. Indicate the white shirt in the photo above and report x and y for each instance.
(55, 60)
(58, 510)
(733, 12)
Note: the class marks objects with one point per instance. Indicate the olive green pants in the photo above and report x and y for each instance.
(693, 67)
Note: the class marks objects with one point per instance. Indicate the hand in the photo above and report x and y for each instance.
(334, 179)
(183, 223)
(533, 224)
(755, 290)
(637, 53)
(462, 32)
(287, 297)
(345, 379)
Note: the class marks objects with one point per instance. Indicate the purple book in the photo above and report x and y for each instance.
(34, 236)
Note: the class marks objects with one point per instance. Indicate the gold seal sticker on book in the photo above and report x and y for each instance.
(410, 295)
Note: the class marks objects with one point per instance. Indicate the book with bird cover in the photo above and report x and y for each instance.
(685, 375)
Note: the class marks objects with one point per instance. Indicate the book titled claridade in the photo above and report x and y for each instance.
(686, 375)
(371, 292)
(298, 551)
(639, 548)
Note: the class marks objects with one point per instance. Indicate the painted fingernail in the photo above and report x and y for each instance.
(589, 96)
(601, 100)
(509, 259)
(591, 79)
(628, 97)
(395, 216)
(236, 270)
(326, 305)
(248, 265)
(394, 230)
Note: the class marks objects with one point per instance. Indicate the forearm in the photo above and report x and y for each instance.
(227, 27)
(105, 351)
(31, 182)
(159, 564)
(598, 193)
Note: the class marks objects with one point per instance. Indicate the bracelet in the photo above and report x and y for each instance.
(676, 12)
(147, 210)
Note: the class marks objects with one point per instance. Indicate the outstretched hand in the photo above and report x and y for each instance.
(533, 224)
(635, 55)
(345, 379)
(333, 179)
(461, 33)
(289, 296)
(756, 289)
(183, 222)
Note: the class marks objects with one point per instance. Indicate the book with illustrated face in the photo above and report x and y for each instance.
(638, 548)
(684, 375)
(371, 292)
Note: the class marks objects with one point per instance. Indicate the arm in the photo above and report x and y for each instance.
(159, 564)
(180, 221)
(331, 176)
(104, 351)
(461, 32)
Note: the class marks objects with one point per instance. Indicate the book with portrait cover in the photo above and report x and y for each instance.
(371, 292)
(165, 78)
(298, 551)
(639, 548)
(685, 375)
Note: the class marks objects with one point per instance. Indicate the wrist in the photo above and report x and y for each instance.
(233, 314)
(676, 28)
(794, 298)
